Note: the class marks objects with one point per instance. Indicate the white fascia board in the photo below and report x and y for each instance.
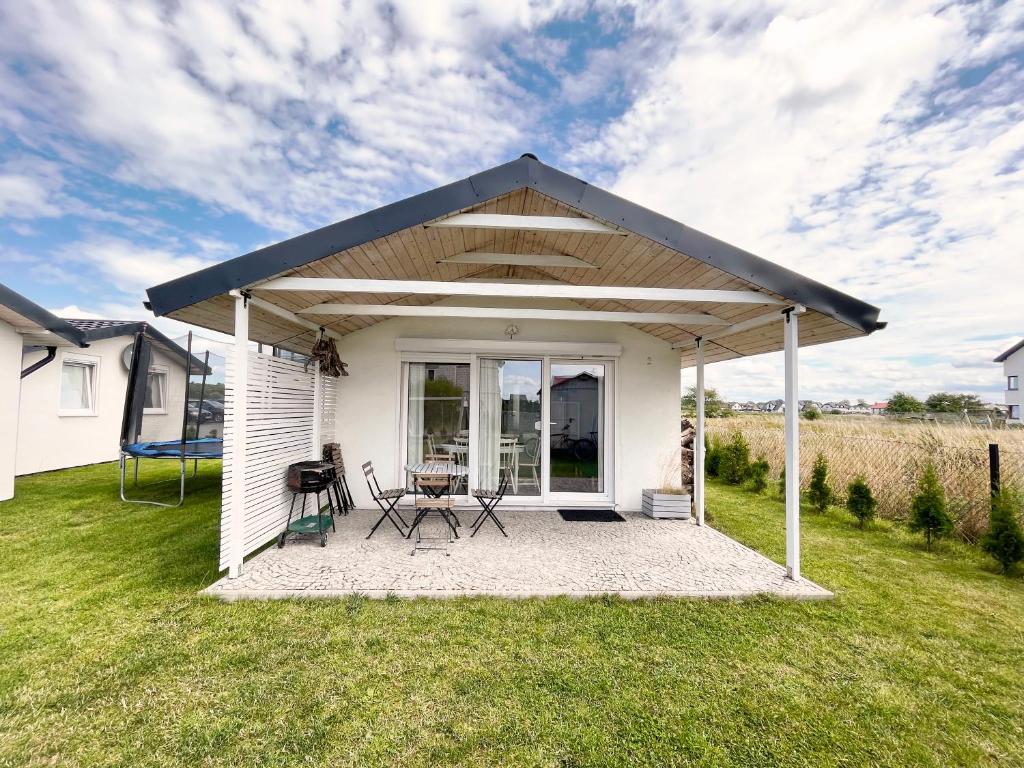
(513, 313)
(531, 223)
(567, 291)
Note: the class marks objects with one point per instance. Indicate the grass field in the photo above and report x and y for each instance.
(108, 656)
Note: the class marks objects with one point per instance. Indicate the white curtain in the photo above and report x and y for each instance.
(75, 386)
(490, 423)
(417, 392)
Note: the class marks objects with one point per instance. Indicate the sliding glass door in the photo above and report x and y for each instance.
(576, 448)
(509, 432)
(543, 422)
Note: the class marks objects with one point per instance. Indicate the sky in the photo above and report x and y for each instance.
(876, 147)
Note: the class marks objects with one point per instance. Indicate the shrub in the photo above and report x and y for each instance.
(812, 414)
(928, 511)
(860, 501)
(735, 464)
(782, 482)
(757, 475)
(712, 456)
(818, 492)
(1005, 539)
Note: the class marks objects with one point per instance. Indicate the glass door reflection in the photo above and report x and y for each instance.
(576, 449)
(510, 424)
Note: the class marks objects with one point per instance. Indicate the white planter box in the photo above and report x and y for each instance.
(666, 505)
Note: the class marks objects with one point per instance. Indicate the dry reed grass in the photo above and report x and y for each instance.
(891, 454)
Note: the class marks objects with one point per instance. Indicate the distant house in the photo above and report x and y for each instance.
(879, 409)
(1013, 370)
(70, 413)
(24, 324)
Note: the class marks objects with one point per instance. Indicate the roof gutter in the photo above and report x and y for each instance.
(51, 353)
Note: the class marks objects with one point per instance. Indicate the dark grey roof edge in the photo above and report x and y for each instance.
(42, 317)
(1010, 351)
(131, 327)
(527, 171)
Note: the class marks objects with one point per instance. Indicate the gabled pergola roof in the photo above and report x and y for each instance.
(536, 231)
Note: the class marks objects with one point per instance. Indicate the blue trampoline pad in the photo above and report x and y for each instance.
(203, 448)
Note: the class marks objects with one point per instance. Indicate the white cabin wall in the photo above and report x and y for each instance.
(647, 394)
(10, 384)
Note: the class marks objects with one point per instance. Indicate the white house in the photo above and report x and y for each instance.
(1013, 369)
(463, 312)
(24, 324)
(71, 408)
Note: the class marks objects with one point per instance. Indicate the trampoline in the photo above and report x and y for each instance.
(188, 447)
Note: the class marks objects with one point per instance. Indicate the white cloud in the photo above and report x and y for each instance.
(132, 268)
(837, 141)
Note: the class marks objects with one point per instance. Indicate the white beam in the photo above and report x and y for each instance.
(519, 259)
(513, 313)
(569, 224)
(240, 352)
(792, 418)
(443, 288)
(746, 325)
(286, 314)
(316, 449)
(698, 440)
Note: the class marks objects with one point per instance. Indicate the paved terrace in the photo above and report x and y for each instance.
(543, 556)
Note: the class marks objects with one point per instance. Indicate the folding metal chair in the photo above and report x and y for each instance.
(432, 501)
(387, 500)
(489, 500)
(332, 455)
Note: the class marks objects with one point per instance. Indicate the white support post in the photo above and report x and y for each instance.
(318, 406)
(698, 439)
(791, 345)
(238, 469)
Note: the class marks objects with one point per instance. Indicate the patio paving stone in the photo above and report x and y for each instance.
(543, 556)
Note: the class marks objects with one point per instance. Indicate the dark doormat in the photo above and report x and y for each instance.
(591, 516)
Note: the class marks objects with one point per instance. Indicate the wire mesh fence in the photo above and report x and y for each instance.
(891, 463)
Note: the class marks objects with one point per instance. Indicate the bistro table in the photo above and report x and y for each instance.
(452, 470)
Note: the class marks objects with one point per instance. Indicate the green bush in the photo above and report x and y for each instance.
(1005, 539)
(819, 493)
(860, 501)
(812, 414)
(735, 464)
(713, 456)
(782, 482)
(757, 475)
(928, 513)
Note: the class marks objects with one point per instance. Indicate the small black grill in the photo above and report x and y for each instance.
(309, 476)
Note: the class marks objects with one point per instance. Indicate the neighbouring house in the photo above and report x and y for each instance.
(24, 325)
(71, 408)
(520, 289)
(1013, 371)
(879, 409)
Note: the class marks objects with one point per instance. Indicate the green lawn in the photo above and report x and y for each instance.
(109, 657)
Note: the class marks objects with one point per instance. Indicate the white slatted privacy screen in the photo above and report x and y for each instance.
(281, 429)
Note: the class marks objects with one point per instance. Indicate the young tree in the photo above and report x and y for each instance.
(811, 414)
(1005, 539)
(928, 512)
(714, 406)
(782, 482)
(860, 501)
(712, 456)
(901, 402)
(757, 476)
(735, 464)
(818, 492)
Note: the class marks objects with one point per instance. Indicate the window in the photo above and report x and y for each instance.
(1012, 383)
(1014, 412)
(156, 390)
(78, 387)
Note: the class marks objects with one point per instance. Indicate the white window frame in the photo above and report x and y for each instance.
(1010, 412)
(159, 370)
(1012, 383)
(88, 361)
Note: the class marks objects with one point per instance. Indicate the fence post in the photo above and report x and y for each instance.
(993, 468)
